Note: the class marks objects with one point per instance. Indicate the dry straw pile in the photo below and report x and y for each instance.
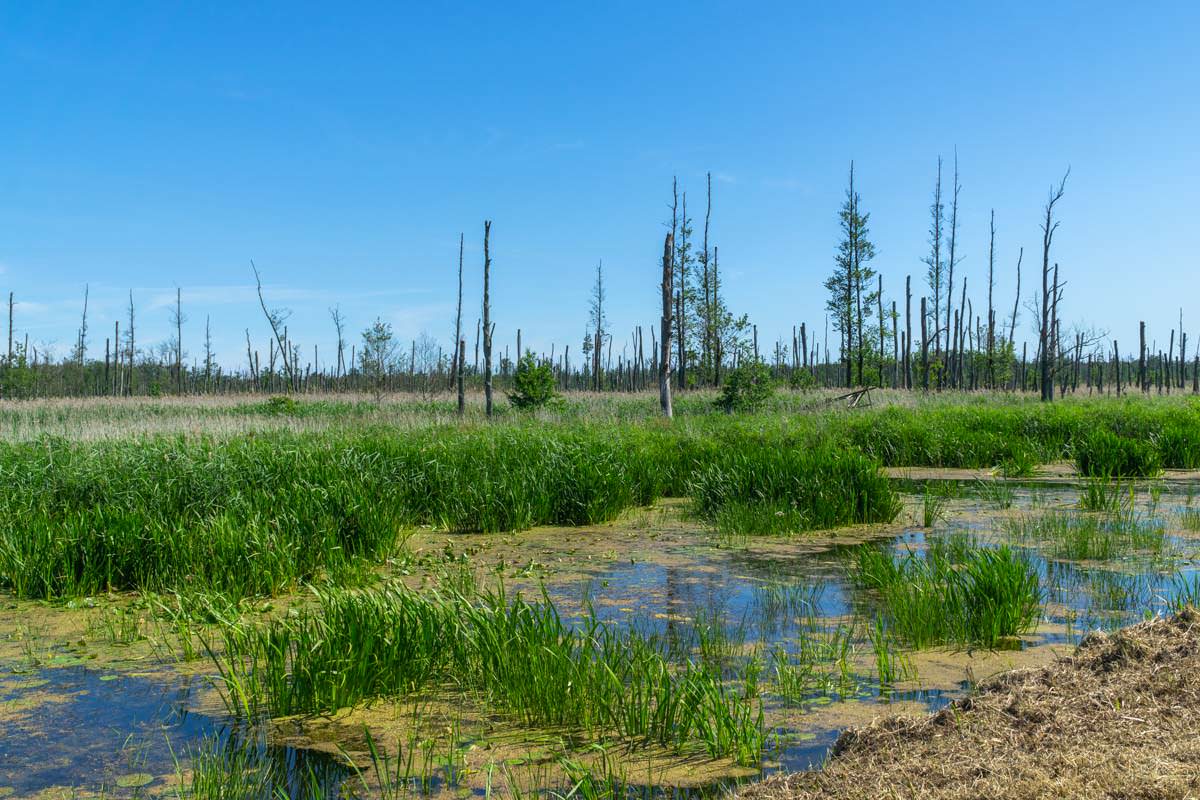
(1119, 719)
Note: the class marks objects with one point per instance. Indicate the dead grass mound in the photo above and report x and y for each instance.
(1120, 718)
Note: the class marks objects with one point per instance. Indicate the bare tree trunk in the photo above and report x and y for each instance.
(664, 364)
(132, 347)
(908, 378)
(487, 317)
(681, 311)
(459, 376)
(83, 329)
(706, 355)
(924, 347)
(991, 328)
(1143, 384)
(895, 347)
(273, 319)
(178, 340)
(1045, 329)
(1012, 325)
(456, 365)
(1117, 365)
(952, 258)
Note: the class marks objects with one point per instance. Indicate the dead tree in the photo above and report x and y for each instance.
(682, 296)
(208, 353)
(457, 366)
(597, 309)
(275, 318)
(81, 347)
(664, 361)
(882, 328)
(709, 310)
(908, 381)
(178, 319)
(462, 392)
(991, 314)
(952, 258)
(895, 347)
(132, 346)
(487, 318)
(934, 262)
(1045, 331)
(1143, 383)
(339, 325)
(924, 346)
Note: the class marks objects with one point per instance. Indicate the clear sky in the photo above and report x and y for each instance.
(154, 145)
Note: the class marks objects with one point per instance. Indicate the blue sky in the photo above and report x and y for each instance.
(156, 145)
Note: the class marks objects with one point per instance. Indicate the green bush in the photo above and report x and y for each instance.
(533, 383)
(747, 388)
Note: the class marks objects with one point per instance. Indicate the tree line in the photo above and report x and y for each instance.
(697, 340)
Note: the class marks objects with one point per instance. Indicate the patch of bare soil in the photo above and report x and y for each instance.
(1119, 718)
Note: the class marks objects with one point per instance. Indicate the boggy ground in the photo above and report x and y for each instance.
(654, 567)
(1118, 718)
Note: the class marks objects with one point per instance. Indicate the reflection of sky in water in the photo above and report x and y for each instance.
(95, 731)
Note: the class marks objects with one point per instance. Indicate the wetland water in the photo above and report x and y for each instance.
(85, 706)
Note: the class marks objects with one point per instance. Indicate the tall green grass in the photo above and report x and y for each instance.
(255, 513)
(515, 655)
(952, 593)
(773, 490)
(1105, 454)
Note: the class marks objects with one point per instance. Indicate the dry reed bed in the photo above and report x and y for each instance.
(1119, 718)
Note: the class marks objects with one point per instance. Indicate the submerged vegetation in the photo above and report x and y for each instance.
(517, 655)
(1091, 536)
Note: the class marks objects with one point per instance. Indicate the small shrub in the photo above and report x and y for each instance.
(280, 405)
(802, 380)
(533, 383)
(747, 388)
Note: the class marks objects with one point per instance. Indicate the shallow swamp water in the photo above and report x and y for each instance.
(94, 700)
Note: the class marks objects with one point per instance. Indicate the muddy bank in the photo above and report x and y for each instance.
(1118, 718)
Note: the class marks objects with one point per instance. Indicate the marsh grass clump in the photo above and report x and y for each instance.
(1021, 462)
(998, 493)
(1104, 493)
(958, 594)
(772, 490)
(892, 664)
(1092, 536)
(1189, 519)
(1185, 592)
(1104, 454)
(515, 655)
(933, 508)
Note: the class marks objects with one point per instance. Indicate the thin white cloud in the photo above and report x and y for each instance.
(788, 184)
(275, 295)
(411, 321)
